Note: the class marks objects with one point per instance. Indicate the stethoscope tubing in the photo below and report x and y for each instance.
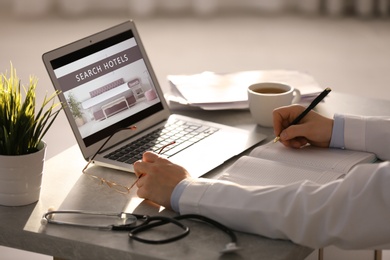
(216, 224)
(175, 220)
(156, 221)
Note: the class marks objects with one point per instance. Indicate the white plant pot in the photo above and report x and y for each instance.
(21, 177)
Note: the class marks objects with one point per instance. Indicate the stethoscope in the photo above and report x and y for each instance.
(128, 222)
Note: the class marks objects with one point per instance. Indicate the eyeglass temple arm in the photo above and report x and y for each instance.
(164, 146)
(133, 127)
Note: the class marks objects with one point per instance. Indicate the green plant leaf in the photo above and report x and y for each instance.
(23, 123)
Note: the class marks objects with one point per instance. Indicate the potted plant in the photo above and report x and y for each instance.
(75, 108)
(23, 124)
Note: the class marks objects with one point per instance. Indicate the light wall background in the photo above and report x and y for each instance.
(342, 44)
(148, 8)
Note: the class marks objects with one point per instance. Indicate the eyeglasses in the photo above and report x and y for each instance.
(111, 184)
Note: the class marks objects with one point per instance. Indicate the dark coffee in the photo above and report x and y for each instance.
(269, 90)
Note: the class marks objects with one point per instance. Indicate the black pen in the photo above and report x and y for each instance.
(312, 105)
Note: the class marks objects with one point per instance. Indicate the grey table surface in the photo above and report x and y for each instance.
(65, 187)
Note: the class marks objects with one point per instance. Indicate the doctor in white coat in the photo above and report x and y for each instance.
(352, 213)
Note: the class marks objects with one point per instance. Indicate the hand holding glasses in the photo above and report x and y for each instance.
(111, 184)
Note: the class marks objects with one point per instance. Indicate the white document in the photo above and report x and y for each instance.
(210, 90)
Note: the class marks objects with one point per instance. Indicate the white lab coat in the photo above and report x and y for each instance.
(353, 213)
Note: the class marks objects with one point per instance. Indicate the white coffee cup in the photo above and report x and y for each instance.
(264, 97)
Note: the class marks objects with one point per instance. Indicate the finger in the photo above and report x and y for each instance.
(294, 131)
(140, 168)
(143, 190)
(141, 193)
(295, 143)
(277, 122)
(140, 181)
(283, 116)
(280, 116)
(298, 142)
(149, 156)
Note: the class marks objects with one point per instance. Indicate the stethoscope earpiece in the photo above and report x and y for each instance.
(47, 216)
(230, 248)
(44, 221)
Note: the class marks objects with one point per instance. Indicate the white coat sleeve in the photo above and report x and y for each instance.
(352, 213)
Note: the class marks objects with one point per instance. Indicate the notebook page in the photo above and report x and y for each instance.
(255, 171)
(322, 158)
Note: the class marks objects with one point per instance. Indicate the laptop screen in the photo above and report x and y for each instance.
(107, 86)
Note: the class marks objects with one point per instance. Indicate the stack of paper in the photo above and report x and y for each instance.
(213, 91)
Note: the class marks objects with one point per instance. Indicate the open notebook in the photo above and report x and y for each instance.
(274, 164)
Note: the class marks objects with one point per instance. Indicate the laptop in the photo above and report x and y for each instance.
(107, 84)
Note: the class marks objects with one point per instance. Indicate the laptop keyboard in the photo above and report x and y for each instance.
(183, 133)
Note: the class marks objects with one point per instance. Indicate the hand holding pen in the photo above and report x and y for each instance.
(296, 126)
